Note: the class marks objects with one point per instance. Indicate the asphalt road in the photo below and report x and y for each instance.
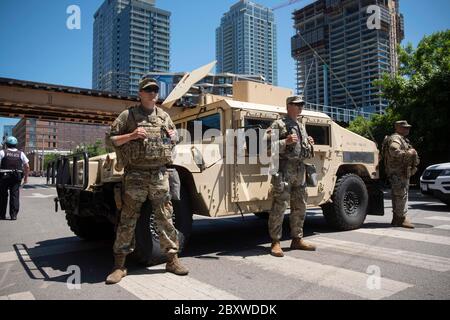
(228, 259)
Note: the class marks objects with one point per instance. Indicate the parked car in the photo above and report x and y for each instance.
(435, 181)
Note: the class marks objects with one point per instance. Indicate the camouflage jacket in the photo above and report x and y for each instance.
(300, 151)
(155, 151)
(397, 160)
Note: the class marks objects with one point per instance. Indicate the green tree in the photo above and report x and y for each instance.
(379, 126)
(49, 158)
(93, 150)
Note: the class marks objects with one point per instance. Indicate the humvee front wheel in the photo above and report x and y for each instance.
(350, 201)
(90, 228)
(148, 250)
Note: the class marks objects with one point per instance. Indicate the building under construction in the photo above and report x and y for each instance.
(339, 53)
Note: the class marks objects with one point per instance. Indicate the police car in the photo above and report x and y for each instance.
(435, 181)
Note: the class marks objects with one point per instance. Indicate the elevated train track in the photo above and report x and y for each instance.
(45, 101)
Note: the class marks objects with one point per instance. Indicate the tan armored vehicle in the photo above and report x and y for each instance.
(223, 163)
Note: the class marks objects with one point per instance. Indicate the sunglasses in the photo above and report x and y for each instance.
(151, 90)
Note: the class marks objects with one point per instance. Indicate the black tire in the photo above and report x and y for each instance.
(148, 249)
(90, 228)
(350, 202)
(262, 215)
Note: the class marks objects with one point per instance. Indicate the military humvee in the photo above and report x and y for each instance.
(213, 182)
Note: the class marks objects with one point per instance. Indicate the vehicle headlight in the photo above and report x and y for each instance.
(445, 173)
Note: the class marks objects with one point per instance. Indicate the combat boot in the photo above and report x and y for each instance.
(276, 250)
(300, 244)
(119, 270)
(174, 265)
(402, 223)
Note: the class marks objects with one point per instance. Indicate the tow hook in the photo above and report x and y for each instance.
(56, 204)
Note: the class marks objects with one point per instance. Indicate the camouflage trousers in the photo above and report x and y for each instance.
(289, 186)
(138, 186)
(399, 192)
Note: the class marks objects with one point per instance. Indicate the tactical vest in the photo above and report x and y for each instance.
(302, 149)
(156, 150)
(12, 160)
(402, 167)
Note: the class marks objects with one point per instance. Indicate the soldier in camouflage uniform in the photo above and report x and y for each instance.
(290, 179)
(143, 137)
(401, 161)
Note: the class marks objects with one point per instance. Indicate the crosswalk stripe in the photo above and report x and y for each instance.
(167, 286)
(19, 296)
(348, 281)
(8, 256)
(443, 227)
(410, 258)
(438, 218)
(407, 235)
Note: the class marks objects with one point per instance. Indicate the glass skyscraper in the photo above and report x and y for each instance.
(246, 41)
(131, 38)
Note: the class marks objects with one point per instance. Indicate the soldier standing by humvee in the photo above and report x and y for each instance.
(290, 181)
(143, 137)
(401, 161)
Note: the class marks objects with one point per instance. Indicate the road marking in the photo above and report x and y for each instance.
(439, 218)
(8, 256)
(44, 251)
(167, 286)
(348, 281)
(407, 235)
(19, 296)
(410, 258)
(443, 227)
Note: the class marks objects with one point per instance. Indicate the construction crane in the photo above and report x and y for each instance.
(290, 2)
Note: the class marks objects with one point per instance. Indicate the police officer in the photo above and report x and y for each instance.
(14, 167)
(401, 161)
(143, 137)
(290, 179)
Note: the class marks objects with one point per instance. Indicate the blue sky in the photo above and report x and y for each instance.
(36, 45)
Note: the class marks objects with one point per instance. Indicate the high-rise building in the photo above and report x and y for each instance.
(131, 38)
(354, 51)
(246, 41)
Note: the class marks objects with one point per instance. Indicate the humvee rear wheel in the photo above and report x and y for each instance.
(350, 201)
(90, 228)
(148, 250)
